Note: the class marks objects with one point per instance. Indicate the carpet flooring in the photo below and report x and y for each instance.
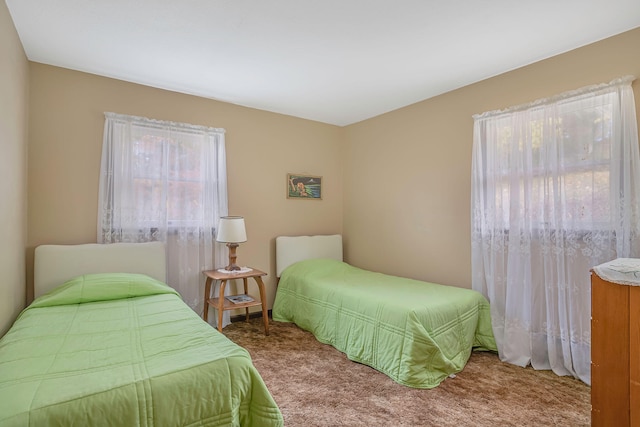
(316, 385)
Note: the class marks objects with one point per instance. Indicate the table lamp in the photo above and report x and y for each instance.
(231, 231)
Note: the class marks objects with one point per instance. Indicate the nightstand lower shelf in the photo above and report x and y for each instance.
(228, 305)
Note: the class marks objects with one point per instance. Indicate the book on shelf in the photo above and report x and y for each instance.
(239, 299)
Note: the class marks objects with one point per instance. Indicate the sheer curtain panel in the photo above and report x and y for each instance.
(554, 193)
(165, 181)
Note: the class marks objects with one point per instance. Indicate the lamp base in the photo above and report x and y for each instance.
(232, 257)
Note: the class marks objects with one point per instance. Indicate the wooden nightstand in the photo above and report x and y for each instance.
(220, 303)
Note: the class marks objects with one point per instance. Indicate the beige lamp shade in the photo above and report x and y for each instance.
(231, 230)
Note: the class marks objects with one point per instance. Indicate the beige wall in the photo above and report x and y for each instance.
(13, 170)
(65, 143)
(408, 173)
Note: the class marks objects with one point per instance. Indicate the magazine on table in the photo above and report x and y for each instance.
(239, 299)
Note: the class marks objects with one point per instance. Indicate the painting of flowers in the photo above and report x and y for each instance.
(304, 187)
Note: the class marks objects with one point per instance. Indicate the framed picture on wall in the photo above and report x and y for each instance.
(304, 186)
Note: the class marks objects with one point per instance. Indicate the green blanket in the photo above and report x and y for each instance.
(417, 333)
(124, 350)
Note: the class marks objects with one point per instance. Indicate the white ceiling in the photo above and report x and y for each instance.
(334, 61)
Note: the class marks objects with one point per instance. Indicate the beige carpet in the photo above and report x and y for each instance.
(316, 385)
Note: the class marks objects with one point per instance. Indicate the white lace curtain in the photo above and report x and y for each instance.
(165, 181)
(555, 191)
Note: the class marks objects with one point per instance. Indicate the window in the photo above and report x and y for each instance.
(551, 168)
(168, 176)
(159, 175)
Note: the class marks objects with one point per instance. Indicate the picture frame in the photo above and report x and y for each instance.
(302, 186)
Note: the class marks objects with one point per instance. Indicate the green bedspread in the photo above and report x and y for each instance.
(417, 333)
(124, 350)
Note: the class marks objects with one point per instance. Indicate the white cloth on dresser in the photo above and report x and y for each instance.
(623, 271)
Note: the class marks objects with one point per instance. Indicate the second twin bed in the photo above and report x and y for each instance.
(415, 332)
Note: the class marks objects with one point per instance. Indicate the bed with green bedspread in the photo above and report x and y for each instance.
(415, 332)
(124, 350)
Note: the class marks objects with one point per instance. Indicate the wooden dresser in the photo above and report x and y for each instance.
(615, 343)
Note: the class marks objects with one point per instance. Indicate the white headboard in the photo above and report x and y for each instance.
(55, 264)
(291, 249)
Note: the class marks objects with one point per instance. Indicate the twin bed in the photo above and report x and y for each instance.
(107, 342)
(415, 332)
